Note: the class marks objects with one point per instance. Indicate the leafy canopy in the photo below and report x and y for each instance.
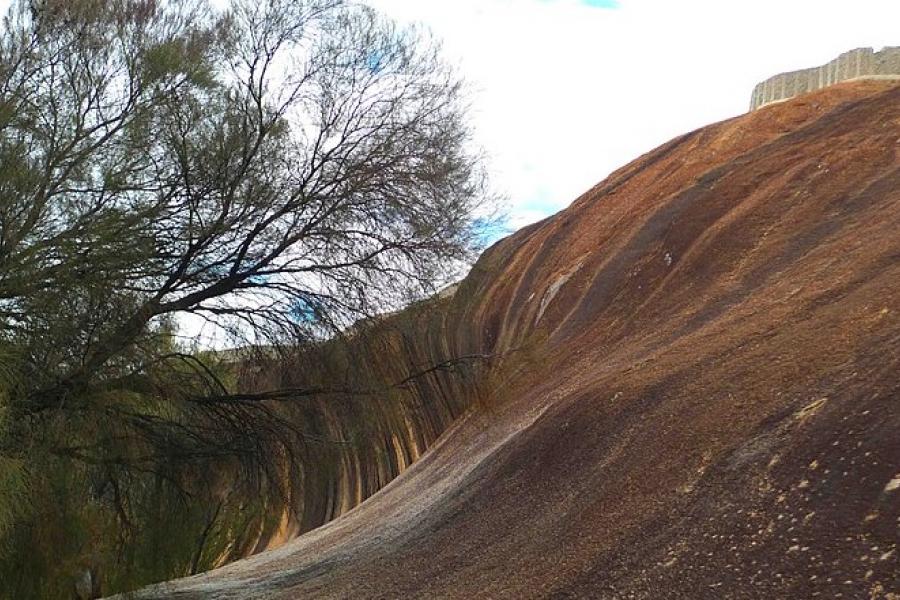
(277, 169)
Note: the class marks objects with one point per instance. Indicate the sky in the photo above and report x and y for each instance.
(566, 91)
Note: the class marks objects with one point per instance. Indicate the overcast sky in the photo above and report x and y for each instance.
(568, 90)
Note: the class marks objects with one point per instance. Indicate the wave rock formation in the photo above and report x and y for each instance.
(695, 391)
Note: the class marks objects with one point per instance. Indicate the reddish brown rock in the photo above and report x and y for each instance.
(699, 395)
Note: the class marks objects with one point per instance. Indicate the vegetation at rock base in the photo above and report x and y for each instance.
(275, 170)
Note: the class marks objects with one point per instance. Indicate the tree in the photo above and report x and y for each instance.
(277, 169)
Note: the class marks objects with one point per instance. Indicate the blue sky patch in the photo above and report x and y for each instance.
(542, 202)
(489, 231)
(602, 3)
(609, 4)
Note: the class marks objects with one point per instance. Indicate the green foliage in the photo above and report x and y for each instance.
(249, 168)
(60, 517)
(14, 493)
(175, 57)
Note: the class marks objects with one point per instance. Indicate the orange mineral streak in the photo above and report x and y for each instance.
(709, 406)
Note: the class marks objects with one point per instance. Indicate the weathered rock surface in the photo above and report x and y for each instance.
(707, 404)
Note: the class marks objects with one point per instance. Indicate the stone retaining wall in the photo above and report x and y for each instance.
(862, 63)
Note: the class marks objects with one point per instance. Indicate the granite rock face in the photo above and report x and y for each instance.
(695, 390)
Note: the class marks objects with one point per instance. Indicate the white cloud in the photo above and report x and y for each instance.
(566, 93)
